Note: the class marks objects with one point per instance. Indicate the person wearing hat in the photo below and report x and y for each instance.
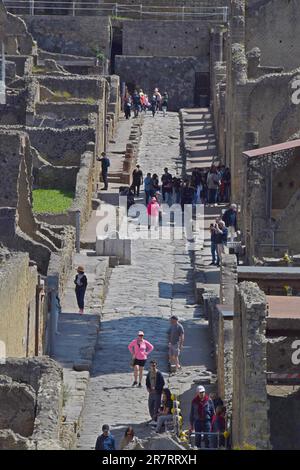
(106, 440)
(80, 282)
(202, 412)
(176, 339)
(139, 349)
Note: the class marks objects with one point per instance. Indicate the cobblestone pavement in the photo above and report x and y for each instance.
(158, 283)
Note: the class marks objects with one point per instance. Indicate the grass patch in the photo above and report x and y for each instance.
(53, 201)
(62, 94)
(38, 69)
(90, 100)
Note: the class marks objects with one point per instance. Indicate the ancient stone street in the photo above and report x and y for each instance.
(142, 297)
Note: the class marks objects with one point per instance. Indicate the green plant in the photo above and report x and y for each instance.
(38, 69)
(98, 53)
(62, 94)
(53, 201)
(90, 100)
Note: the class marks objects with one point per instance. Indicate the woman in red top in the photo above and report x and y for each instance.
(140, 349)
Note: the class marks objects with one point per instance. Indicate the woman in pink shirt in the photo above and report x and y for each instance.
(140, 349)
(153, 213)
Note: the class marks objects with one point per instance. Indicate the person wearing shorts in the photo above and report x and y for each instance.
(176, 339)
(139, 349)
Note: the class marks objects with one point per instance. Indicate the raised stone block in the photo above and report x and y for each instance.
(114, 247)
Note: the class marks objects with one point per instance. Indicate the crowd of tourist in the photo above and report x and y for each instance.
(207, 412)
(139, 101)
(208, 187)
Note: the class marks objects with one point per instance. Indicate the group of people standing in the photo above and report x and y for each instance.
(205, 188)
(139, 101)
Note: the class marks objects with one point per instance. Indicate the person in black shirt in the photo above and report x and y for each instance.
(81, 284)
(105, 163)
(167, 186)
(137, 180)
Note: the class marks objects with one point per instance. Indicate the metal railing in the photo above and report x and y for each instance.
(211, 440)
(118, 10)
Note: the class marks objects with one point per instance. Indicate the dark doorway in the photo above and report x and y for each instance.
(202, 89)
(116, 47)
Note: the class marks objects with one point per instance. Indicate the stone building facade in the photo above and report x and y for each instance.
(254, 85)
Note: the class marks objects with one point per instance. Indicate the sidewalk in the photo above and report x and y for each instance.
(116, 151)
(77, 337)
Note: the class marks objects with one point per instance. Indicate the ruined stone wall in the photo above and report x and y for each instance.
(168, 38)
(228, 279)
(76, 86)
(56, 177)
(174, 74)
(42, 379)
(17, 311)
(65, 110)
(77, 35)
(14, 33)
(225, 362)
(270, 110)
(61, 147)
(273, 26)
(250, 404)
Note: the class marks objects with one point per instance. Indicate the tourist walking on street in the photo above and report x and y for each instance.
(105, 164)
(140, 350)
(158, 99)
(221, 238)
(176, 183)
(164, 103)
(136, 103)
(202, 412)
(230, 219)
(106, 440)
(187, 194)
(153, 103)
(127, 105)
(213, 181)
(130, 441)
(148, 187)
(80, 282)
(153, 213)
(176, 340)
(155, 383)
(164, 414)
(167, 187)
(155, 185)
(213, 245)
(137, 180)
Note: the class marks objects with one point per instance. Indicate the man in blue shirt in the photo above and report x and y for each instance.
(106, 440)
